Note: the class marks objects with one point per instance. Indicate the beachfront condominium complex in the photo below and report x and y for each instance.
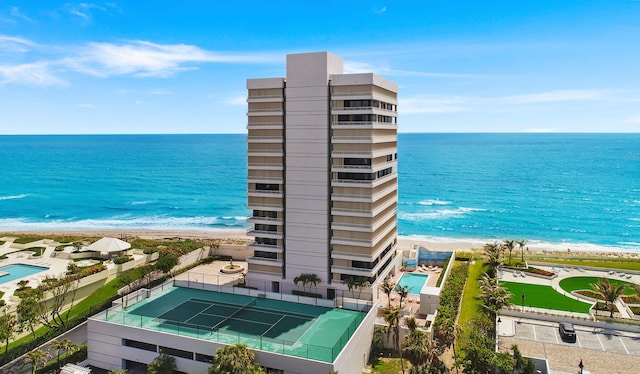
(322, 174)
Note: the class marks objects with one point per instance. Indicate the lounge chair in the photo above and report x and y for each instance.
(522, 274)
(611, 272)
(515, 273)
(622, 274)
(629, 276)
(580, 268)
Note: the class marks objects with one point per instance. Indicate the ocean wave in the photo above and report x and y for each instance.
(537, 245)
(434, 202)
(143, 202)
(125, 223)
(13, 197)
(438, 214)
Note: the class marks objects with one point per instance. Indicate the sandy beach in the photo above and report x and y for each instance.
(404, 242)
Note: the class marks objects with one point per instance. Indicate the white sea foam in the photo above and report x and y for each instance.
(143, 202)
(12, 197)
(434, 202)
(438, 214)
(124, 222)
(536, 245)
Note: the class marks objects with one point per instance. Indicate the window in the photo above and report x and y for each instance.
(140, 345)
(177, 352)
(265, 214)
(356, 118)
(389, 157)
(384, 172)
(357, 161)
(204, 358)
(357, 176)
(270, 228)
(267, 241)
(263, 254)
(267, 187)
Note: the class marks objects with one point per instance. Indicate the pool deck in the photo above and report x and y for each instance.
(57, 267)
(411, 303)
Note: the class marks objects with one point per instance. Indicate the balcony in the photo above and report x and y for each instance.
(264, 261)
(255, 246)
(361, 271)
(351, 227)
(261, 179)
(264, 206)
(263, 193)
(265, 220)
(255, 112)
(265, 166)
(265, 139)
(364, 154)
(265, 153)
(265, 126)
(265, 234)
(364, 198)
(363, 139)
(265, 98)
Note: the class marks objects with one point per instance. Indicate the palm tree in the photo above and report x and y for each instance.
(509, 245)
(610, 292)
(402, 291)
(387, 288)
(68, 346)
(36, 359)
(493, 252)
(493, 295)
(306, 278)
(392, 317)
(521, 244)
(58, 346)
(235, 359)
(416, 348)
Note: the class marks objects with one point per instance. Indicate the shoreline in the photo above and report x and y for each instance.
(404, 242)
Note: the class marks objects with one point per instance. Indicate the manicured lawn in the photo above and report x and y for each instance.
(471, 305)
(601, 262)
(539, 296)
(584, 283)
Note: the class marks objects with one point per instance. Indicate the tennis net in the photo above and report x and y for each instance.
(251, 303)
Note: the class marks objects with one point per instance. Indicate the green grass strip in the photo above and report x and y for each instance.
(471, 305)
(545, 297)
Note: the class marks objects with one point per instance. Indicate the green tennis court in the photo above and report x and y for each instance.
(284, 327)
(545, 297)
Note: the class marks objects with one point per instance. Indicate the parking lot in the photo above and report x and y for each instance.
(586, 337)
(603, 351)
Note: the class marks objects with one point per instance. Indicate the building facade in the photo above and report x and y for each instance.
(322, 174)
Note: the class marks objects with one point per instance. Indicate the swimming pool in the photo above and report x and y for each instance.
(414, 281)
(15, 271)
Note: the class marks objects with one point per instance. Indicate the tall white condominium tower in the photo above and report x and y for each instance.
(322, 175)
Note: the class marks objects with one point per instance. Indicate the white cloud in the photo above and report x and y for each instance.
(446, 104)
(84, 10)
(556, 96)
(146, 59)
(161, 92)
(34, 74)
(380, 10)
(15, 12)
(236, 100)
(14, 44)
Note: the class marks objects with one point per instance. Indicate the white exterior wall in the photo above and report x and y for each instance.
(307, 163)
(105, 350)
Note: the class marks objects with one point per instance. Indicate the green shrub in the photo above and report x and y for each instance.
(306, 293)
(122, 259)
(451, 294)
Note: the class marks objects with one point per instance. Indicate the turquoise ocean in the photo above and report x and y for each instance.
(563, 190)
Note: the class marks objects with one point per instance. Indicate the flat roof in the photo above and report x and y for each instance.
(276, 326)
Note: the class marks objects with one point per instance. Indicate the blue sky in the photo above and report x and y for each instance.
(180, 67)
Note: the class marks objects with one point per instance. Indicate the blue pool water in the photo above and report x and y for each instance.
(414, 281)
(17, 271)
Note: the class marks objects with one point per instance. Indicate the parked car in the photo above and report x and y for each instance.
(567, 332)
